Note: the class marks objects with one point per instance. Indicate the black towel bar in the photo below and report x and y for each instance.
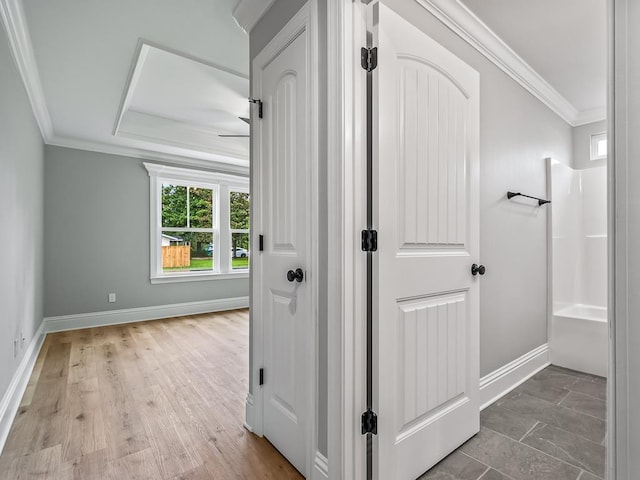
(518, 194)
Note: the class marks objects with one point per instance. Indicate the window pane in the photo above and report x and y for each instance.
(200, 207)
(602, 147)
(187, 251)
(239, 250)
(239, 210)
(174, 206)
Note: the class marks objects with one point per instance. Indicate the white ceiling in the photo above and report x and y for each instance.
(562, 40)
(169, 76)
(85, 51)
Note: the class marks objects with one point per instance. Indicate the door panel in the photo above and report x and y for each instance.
(425, 175)
(284, 164)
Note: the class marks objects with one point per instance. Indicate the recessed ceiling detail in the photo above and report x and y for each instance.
(178, 101)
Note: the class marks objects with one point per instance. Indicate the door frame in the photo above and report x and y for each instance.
(346, 33)
(305, 20)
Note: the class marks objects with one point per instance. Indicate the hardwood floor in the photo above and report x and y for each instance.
(161, 399)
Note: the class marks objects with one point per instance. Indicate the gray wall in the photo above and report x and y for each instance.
(21, 215)
(97, 238)
(516, 133)
(581, 138)
(269, 25)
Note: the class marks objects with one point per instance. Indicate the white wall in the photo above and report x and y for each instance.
(21, 217)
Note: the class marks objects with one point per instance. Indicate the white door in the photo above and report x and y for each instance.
(425, 174)
(284, 169)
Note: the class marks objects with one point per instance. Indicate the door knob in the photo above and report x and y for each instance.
(297, 275)
(478, 269)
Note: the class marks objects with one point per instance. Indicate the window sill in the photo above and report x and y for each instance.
(198, 277)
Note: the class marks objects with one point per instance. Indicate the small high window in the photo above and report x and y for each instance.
(599, 146)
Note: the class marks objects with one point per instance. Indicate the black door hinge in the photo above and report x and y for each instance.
(261, 242)
(369, 240)
(257, 102)
(369, 58)
(369, 422)
(261, 375)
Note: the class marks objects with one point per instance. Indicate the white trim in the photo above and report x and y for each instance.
(197, 176)
(249, 408)
(13, 396)
(14, 21)
(471, 29)
(501, 381)
(320, 467)
(346, 182)
(234, 167)
(199, 277)
(140, 314)
(305, 20)
(247, 13)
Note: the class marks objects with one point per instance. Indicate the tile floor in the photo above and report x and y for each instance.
(552, 427)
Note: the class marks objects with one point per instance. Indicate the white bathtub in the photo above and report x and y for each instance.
(579, 339)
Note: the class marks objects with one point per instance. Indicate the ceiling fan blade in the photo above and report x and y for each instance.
(234, 136)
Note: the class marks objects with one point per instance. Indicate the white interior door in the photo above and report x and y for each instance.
(425, 174)
(284, 165)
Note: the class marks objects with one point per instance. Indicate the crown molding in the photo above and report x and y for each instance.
(14, 21)
(475, 32)
(246, 13)
(133, 152)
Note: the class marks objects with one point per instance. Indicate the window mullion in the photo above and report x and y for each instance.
(223, 229)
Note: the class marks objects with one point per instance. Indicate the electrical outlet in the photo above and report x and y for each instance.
(112, 298)
(15, 348)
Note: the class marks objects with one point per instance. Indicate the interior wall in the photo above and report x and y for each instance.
(269, 25)
(581, 140)
(21, 184)
(97, 238)
(517, 132)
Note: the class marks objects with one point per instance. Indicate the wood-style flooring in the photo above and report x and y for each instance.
(161, 399)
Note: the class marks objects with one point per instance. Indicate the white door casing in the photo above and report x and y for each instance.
(426, 302)
(284, 203)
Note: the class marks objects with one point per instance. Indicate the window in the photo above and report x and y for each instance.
(599, 146)
(199, 224)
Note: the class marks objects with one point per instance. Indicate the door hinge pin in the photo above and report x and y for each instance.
(257, 102)
(369, 58)
(261, 242)
(369, 240)
(369, 422)
(261, 375)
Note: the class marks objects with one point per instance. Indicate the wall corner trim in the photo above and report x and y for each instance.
(476, 33)
(140, 314)
(13, 396)
(501, 381)
(320, 467)
(15, 24)
(246, 13)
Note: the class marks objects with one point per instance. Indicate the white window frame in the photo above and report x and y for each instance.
(236, 230)
(221, 184)
(595, 139)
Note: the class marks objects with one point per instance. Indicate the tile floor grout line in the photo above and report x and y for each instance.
(529, 431)
(483, 473)
(533, 448)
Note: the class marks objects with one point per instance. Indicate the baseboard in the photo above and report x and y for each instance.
(129, 315)
(320, 467)
(501, 381)
(13, 396)
(249, 412)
